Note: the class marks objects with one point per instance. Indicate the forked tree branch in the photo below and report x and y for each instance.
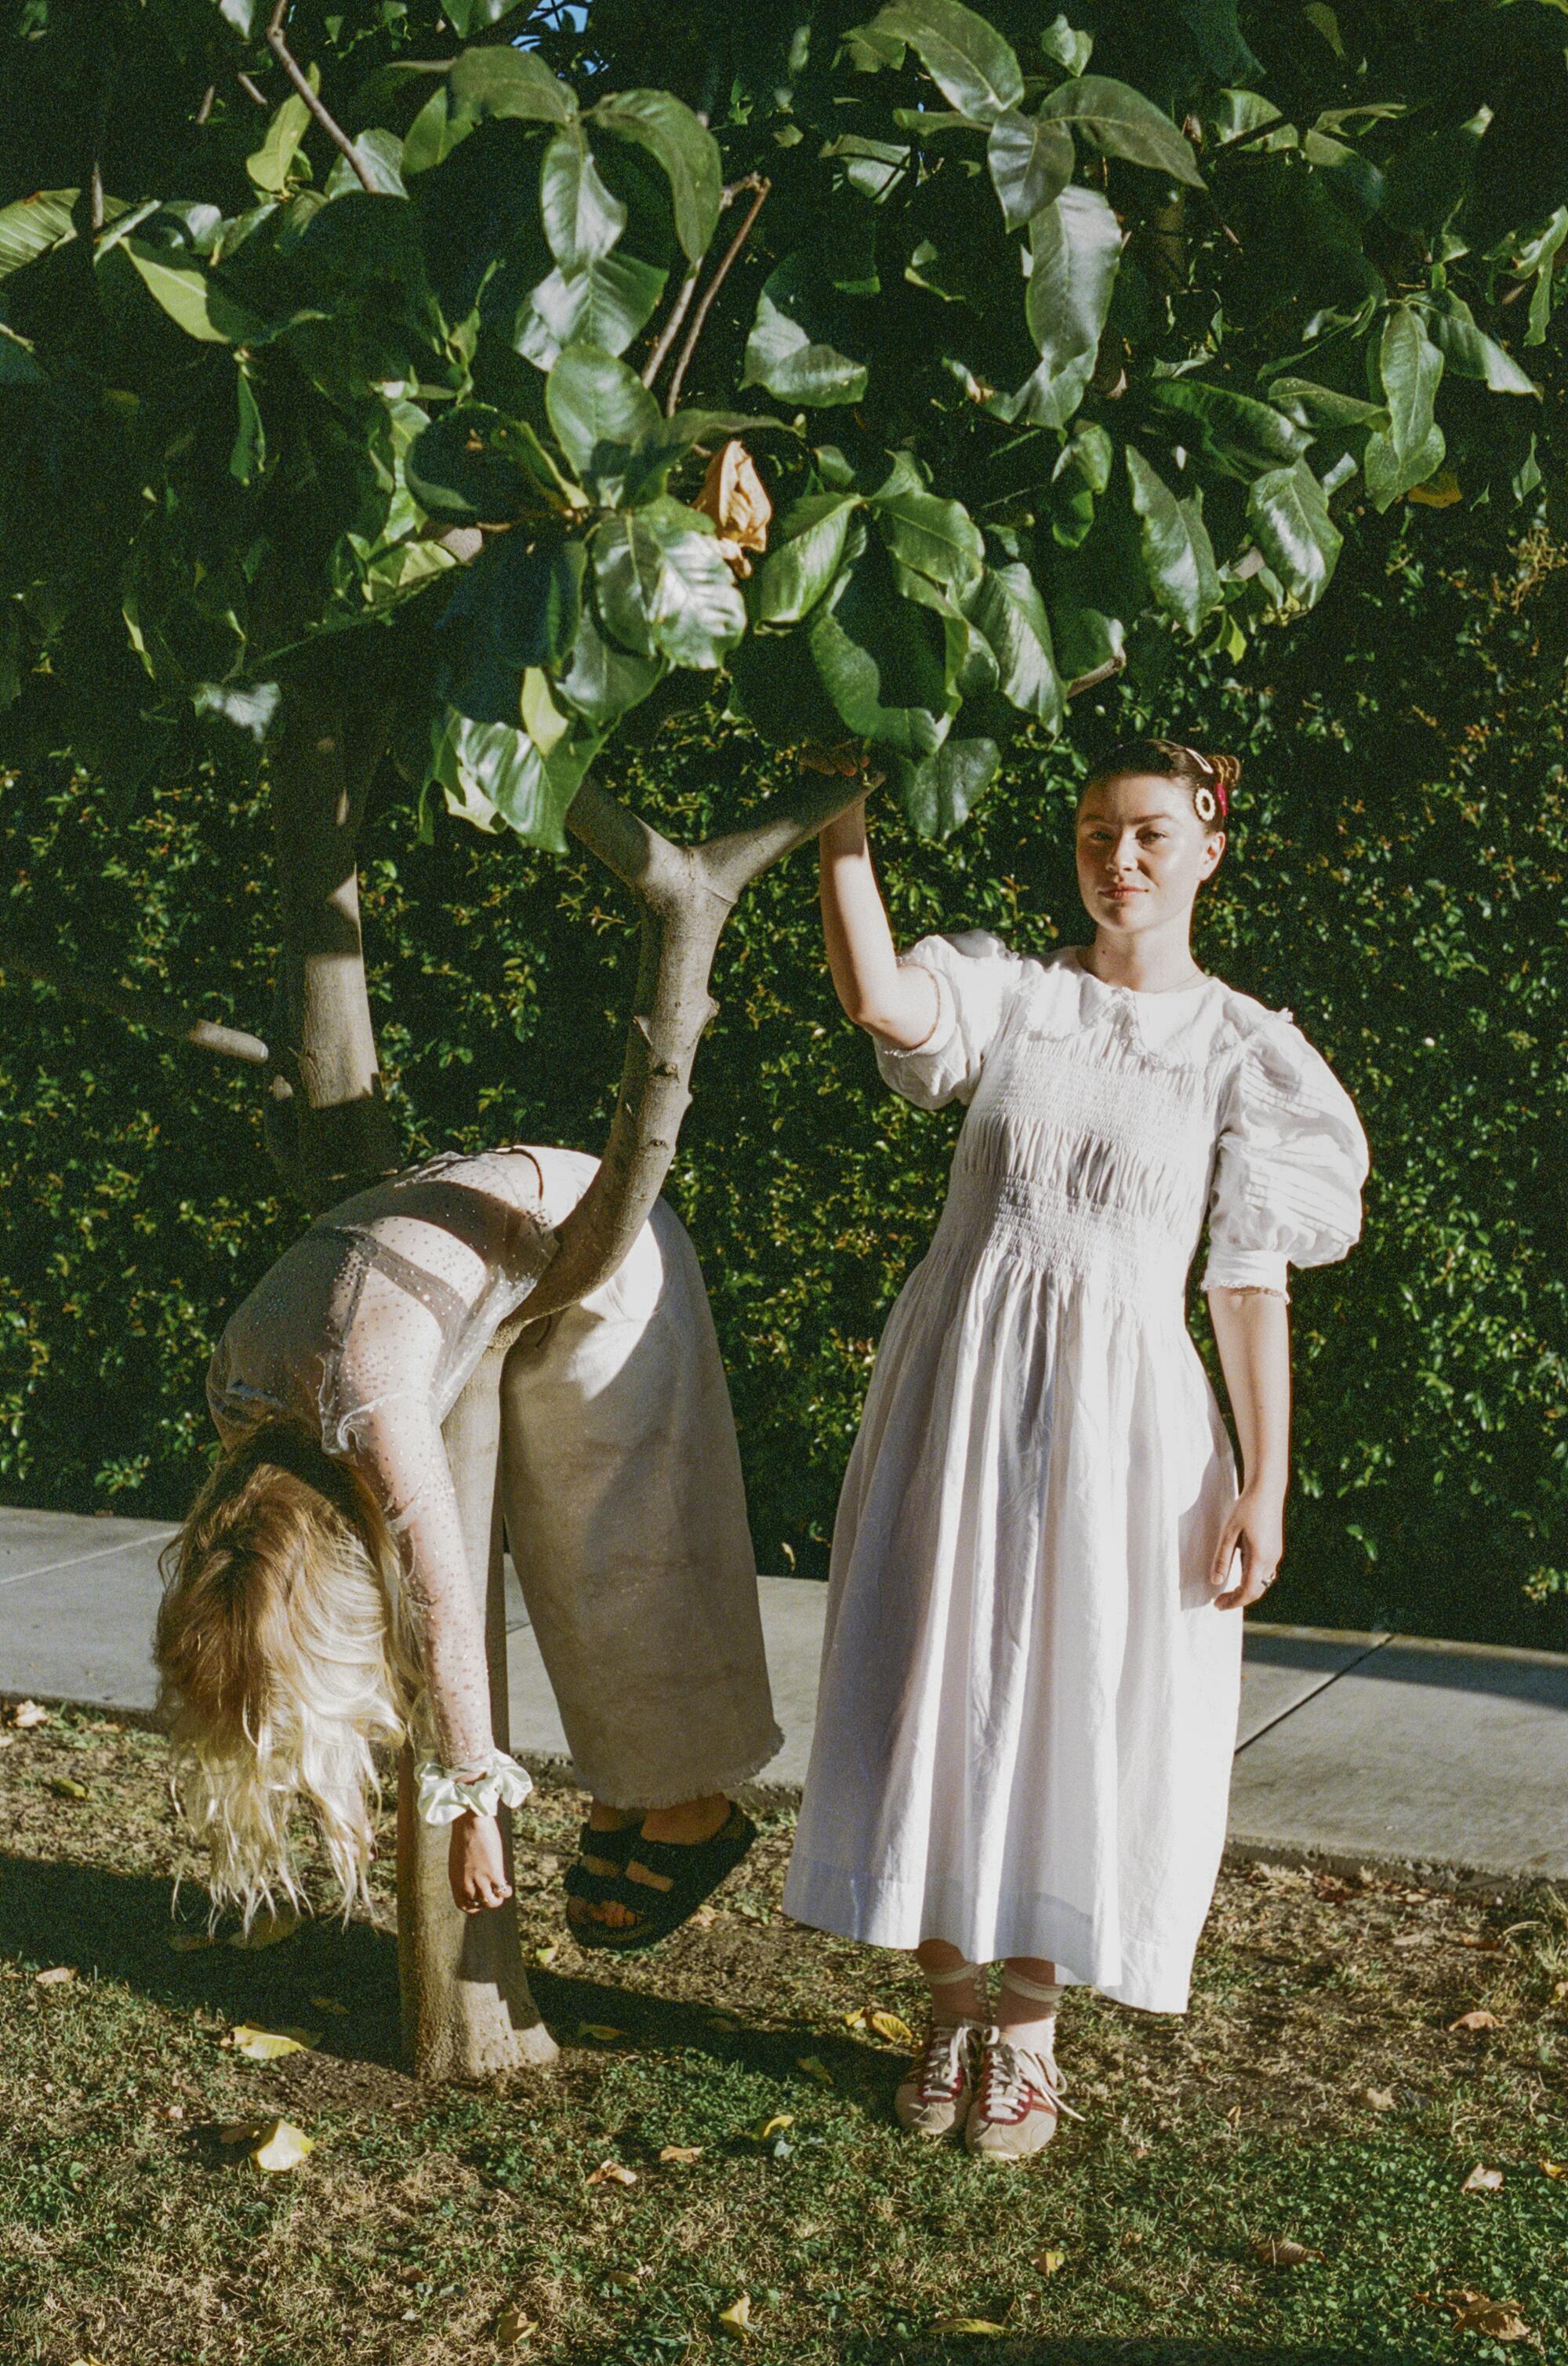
(334, 131)
(141, 1009)
(760, 185)
(671, 329)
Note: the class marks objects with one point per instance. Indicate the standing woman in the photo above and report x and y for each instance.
(1032, 1664)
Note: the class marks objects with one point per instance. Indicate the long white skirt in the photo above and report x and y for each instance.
(1028, 1699)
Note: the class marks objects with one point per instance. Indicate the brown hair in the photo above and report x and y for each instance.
(1168, 759)
(284, 1662)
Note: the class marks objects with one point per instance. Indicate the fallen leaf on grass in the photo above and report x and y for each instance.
(545, 1957)
(704, 1918)
(1554, 2167)
(612, 2172)
(56, 1976)
(877, 2022)
(7, 1740)
(681, 2156)
(736, 2318)
(1499, 2320)
(815, 2068)
(1475, 2021)
(722, 2023)
(966, 2325)
(29, 1713)
(190, 1943)
(267, 1930)
(513, 2327)
(1483, 2180)
(269, 2044)
(1049, 2261)
(329, 2004)
(66, 1787)
(1380, 2098)
(282, 2147)
(600, 2031)
(1560, 1992)
(766, 2129)
(1281, 2252)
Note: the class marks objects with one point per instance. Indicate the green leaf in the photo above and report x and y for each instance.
(1120, 121)
(526, 600)
(972, 66)
(1216, 37)
(781, 354)
(939, 793)
(476, 464)
(664, 587)
(270, 166)
(1082, 474)
(875, 654)
(1178, 556)
(809, 546)
(774, 684)
(686, 151)
(1470, 352)
(601, 682)
(248, 456)
(1242, 433)
(469, 16)
(382, 152)
(582, 218)
(191, 300)
(483, 84)
(1303, 399)
(1066, 47)
(1411, 448)
(1030, 163)
(1076, 246)
(1295, 533)
(33, 225)
(491, 770)
(606, 304)
(17, 366)
(1007, 610)
(598, 409)
(936, 537)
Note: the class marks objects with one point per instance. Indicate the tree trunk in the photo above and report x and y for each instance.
(467, 2011)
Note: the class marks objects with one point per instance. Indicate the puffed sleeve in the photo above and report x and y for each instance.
(975, 978)
(1293, 1157)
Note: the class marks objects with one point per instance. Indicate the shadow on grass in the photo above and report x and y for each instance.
(118, 1926)
(1096, 2350)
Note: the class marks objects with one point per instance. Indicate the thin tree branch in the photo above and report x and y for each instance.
(254, 90)
(1086, 681)
(334, 131)
(761, 185)
(671, 329)
(142, 1009)
(207, 97)
(735, 860)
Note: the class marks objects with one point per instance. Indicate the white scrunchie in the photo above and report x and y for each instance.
(442, 1797)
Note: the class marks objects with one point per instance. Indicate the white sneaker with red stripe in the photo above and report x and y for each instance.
(935, 2098)
(1017, 2101)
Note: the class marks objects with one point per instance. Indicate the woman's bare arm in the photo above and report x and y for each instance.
(1252, 1332)
(899, 1005)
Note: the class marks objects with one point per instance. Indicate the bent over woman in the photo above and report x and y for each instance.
(1032, 1651)
(320, 1603)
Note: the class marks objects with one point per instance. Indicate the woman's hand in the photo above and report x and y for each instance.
(475, 1865)
(1256, 1526)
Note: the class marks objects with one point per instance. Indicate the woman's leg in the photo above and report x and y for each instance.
(956, 1986)
(1027, 2008)
(935, 2098)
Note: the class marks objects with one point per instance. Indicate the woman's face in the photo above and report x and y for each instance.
(1142, 852)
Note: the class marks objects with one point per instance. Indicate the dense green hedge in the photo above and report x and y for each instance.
(1396, 875)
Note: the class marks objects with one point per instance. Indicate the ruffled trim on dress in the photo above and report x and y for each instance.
(478, 1789)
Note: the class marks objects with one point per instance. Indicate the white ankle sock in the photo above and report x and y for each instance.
(1037, 2034)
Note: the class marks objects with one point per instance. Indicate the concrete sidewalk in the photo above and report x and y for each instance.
(1353, 1750)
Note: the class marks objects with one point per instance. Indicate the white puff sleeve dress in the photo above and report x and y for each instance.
(1028, 1699)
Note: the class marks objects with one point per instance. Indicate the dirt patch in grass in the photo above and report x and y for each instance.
(1317, 2091)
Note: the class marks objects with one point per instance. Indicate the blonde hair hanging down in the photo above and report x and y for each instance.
(284, 1664)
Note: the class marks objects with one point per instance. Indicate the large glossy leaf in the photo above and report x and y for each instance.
(601, 681)
(1030, 160)
(877, 654)
(937, 538)
(1216, 36)
(492, 771)
(485, 84)
(1076, 245)
(33, 225)
(972, 66)
(782, 354)
(1120, 121)
(474, 463)
(598, 409)
(524, 597)
(382, 152)
(774, 684)
(683, 147)
(197, 303)
(1082, 474)
(1470, 352)
(1006, 608)
(1411, 448)
(1303, 399)
(1295, 533)
(582, 218)
(939, 793)
(606, 304)
(1178, 556)
(270, 166)
(1242, 433)
(664, 587)
(469, 16)
(809, 545)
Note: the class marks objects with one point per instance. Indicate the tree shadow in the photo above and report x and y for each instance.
(1136, 2349)
(118, 1926)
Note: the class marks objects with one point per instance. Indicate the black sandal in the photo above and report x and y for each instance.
(612, 1848)
(693, 1869)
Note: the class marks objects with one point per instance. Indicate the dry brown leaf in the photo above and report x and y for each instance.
(1380, 2098)
(1560, 1992)
(736, 2318)
(600, 2031)
(966, 2325)
(612, 2172)
(512, 2328)
(1478, 2020)
(1554, 2167)
(681, 2156)
(56, 1976)
(1049, 2261)
(876, 2021)
(765, 2130)
(1281, 2252)
(8, 1741)
(1499, 2320)
(722, 2023)
(241, 2131)
(282, 2147)
(29, 1713)
(1483, 2180)
(268, 2045)
(268, 1928)
(735, 498)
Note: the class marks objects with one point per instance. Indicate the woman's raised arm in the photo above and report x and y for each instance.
(899, 1005)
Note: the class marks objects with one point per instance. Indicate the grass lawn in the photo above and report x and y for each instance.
(1315, 2093)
